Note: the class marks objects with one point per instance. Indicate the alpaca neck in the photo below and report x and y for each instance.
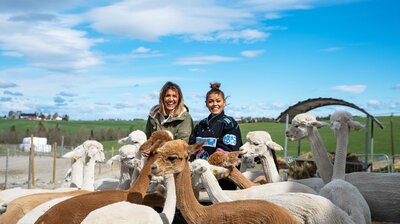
(170, 200)
(125, 177)
(143, 180)
(77, 173)
(135, 174)
(88, 175)
(342, 141)
(243, 165)
(268, 165)
(214, 191)
(324, 166)
(191, 209)
(237, 177)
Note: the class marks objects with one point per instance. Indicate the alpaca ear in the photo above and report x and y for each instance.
(192, 149)
(356, 125)
(114, 160)
(319, 124)
(123, 141)
(274, 146)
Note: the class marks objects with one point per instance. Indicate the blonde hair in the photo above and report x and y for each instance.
(180, 107)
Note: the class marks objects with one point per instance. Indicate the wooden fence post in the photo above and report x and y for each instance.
(112, 155)
(33, 161)
(54, 161)
(392, 142)
(6, 177)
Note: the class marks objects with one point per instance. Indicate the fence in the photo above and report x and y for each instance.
(15, 169)
(300, 168)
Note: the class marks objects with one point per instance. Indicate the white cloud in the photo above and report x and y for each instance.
(4, 84)
(142, 49)
(50, 45)
(12, 54)
(273, 15)
(350, 88)
(247, 35)
(150, 20)
(252, 53)
(279, 5)
(373, 102)
(202, 60)
(332, 49)
(197, 70)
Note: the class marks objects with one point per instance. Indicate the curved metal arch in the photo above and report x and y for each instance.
(310, 104)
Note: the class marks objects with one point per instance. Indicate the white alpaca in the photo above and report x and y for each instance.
(197, 168)
(307, 208)
(380, 190)
(94, 153)
(126, 212)
(247, 162)
(17, 207)
(135, 137)
(305, 126)
(85, 155)
(129, 159)
(343, 194)
(259, 144)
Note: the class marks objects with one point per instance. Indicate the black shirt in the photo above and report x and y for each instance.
(218, 132)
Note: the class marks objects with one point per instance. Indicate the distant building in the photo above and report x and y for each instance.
(58, 118)
(29, 116)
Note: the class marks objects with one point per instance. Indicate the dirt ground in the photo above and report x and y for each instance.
(18, 166)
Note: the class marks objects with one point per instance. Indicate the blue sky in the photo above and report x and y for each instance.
(108, 59)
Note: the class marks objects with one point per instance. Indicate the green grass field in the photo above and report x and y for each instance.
(382, 137)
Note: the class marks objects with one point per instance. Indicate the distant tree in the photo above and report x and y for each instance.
(55, 115)
(42, 116)
(65, 117)
(27, 132)
(13, 137)
(11, 114)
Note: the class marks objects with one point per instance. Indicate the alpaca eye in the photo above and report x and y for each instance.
(172, 158)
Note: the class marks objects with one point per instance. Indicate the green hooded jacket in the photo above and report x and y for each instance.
(181, 126)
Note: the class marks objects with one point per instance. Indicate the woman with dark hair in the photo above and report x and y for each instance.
(170, 114)
(218, 131)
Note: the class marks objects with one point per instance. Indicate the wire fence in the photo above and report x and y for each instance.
(300, 168)
(15, 168)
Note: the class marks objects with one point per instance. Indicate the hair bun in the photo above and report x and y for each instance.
(215, 85)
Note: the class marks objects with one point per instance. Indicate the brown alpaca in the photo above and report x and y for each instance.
(173, 159)
(75, 209)
(230, 161)
(19, 207)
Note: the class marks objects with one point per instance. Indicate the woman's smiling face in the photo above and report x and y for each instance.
(215, 103)
(171, 98)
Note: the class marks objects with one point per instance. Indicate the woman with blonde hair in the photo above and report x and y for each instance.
(170, 114)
